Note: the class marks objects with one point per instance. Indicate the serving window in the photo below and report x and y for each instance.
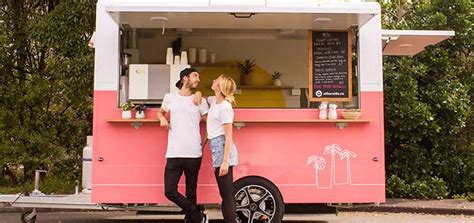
(278, 77)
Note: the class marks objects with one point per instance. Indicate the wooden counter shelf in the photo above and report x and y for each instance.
(340, 123)
(135, 123)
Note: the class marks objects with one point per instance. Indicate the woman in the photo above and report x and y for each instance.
(219, 132)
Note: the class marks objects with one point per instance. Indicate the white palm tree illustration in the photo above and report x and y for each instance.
(319, 164)
(346, 154)
(332, 149)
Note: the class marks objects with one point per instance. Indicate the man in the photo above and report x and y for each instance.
(184, 149)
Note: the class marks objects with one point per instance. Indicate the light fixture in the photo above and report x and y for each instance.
(242, 15)
(162, 19)
(321, 19)
(159, 18)
(405, 45)
(91, 42)
(390, 38)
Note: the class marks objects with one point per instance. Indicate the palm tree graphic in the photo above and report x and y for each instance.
(319, 164)
(332, 149)
(346, 154)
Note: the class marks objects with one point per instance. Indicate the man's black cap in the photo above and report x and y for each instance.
(184, 73)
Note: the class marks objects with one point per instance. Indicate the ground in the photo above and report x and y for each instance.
(342, 217)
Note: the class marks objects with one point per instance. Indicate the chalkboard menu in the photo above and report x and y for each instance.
(330, 66)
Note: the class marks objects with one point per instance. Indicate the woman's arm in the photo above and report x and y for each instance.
(197, 98)
(224, 169)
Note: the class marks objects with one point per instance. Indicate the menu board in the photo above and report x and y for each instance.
(330, 66)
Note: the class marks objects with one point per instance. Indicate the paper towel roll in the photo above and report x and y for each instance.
(202, 55)
(213, 58)
(192, 55)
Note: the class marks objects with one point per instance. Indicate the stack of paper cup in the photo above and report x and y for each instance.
(213, 58)
(202, 55)
(169, 56)
(177, 60)
(192, 55)
(184, 58)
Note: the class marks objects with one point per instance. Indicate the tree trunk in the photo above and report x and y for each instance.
(7, 172)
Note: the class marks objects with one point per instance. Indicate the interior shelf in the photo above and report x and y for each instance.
(227, 65)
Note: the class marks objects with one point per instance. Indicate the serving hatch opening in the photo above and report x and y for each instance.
(333, 16)
(411, 42)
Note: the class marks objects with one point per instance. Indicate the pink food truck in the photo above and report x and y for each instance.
(313, 135)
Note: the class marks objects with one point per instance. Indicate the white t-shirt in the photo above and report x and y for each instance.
(184, 137)
(219, 114)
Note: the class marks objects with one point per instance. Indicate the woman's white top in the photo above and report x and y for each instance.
(218, 115)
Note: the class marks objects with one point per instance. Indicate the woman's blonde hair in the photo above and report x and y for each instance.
(227, 87)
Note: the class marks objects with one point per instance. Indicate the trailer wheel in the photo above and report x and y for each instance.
(258, 200)
(28, 216)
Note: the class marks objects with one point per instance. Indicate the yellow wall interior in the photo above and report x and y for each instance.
(248, 97)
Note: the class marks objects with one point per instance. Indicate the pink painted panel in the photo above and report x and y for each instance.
(132, 170)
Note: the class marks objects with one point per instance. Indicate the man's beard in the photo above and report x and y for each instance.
(190, 86)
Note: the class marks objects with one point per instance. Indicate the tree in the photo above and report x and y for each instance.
(428, 97)
(46, 83)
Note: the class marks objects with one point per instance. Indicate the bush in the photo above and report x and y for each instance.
(466, 196)
(396, 187)
(429, 188)
(428, 118)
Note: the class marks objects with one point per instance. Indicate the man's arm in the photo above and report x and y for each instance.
(161, 116)
(162, 112)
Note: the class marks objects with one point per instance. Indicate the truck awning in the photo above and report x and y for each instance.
(270, 14)
(411, 42)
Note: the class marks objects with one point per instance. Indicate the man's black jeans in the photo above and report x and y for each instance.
(175, 167)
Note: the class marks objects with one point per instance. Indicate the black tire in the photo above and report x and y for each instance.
(28, 216)
(266, 203)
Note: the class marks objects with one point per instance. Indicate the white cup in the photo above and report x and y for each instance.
(169, 56)
(177, 60)
(202, 55)
(192, 55)
(213, 58)
(184, 58)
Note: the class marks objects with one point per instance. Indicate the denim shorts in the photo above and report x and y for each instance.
(217, 146)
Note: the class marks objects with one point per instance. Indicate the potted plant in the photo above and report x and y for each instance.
(177, 46)
(276, 78)
(140, 109)
(126, 110)
(246, 69)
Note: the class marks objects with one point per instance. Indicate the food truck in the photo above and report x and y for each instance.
(314, 135)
